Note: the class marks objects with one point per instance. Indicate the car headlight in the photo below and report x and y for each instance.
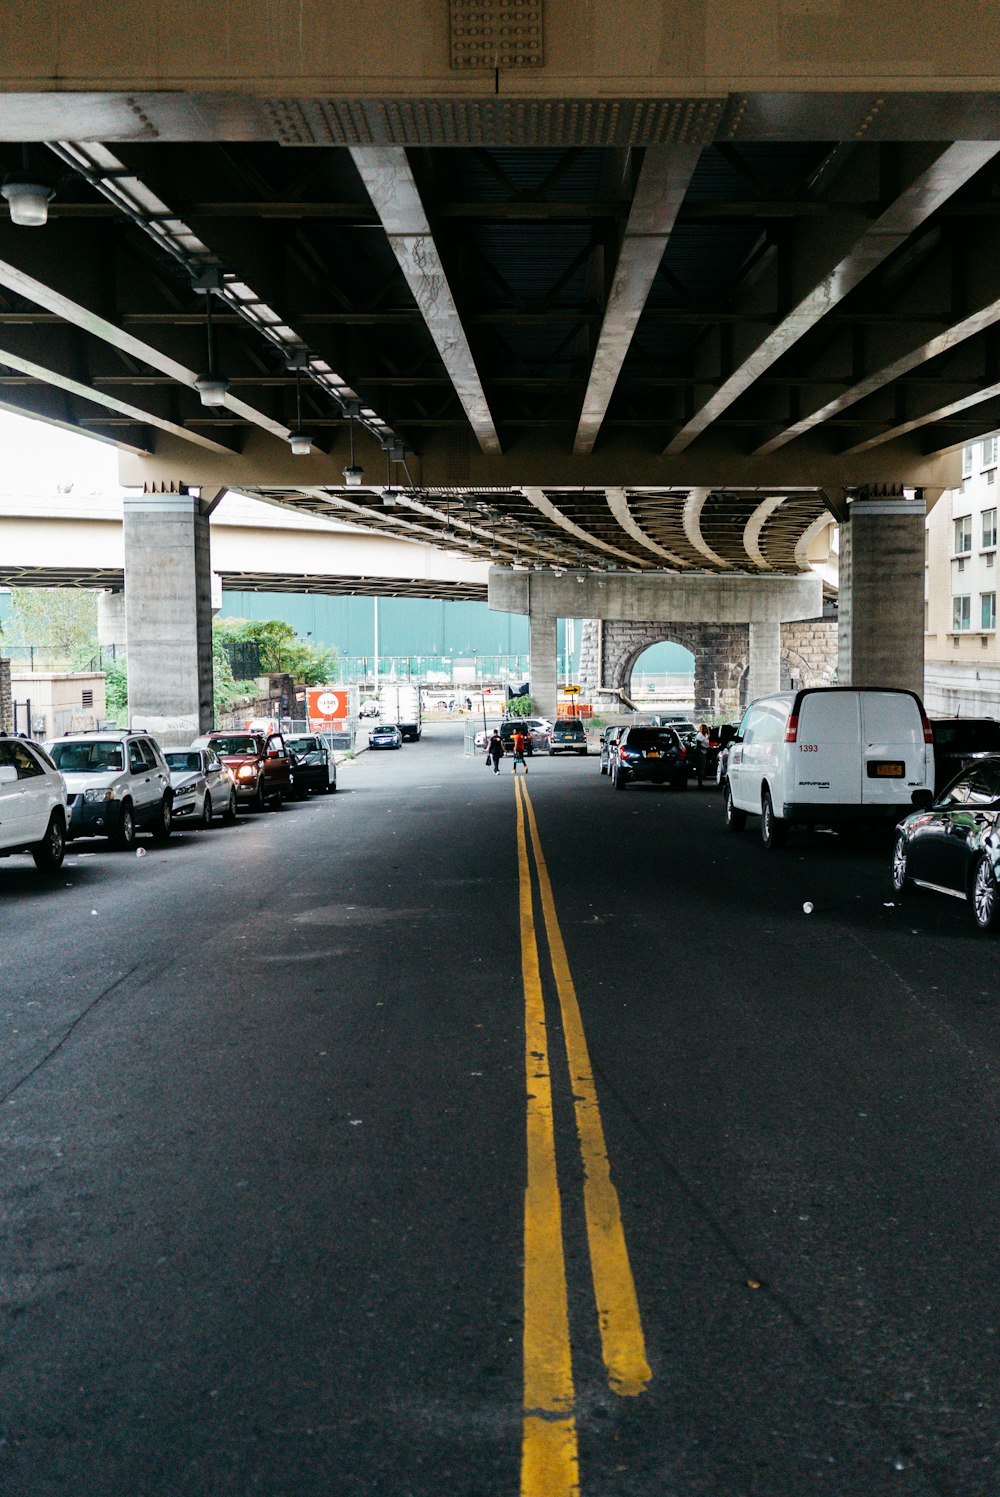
(246, 772)
(99, 795)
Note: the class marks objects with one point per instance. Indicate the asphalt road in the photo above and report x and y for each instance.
(271, 1096)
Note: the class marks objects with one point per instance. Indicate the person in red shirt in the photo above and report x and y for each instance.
(519, 752)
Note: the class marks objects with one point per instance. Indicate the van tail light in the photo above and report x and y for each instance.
(928, 730)
(792, 730)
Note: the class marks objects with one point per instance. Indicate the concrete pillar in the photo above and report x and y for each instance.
(168, 611)
(881, 613)
(111, 620)
(543, 663)
(765, 660)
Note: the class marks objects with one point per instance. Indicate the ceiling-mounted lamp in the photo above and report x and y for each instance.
(353, 473)
(27, 196)
(300, 443)
(212, 387)
(28, 201)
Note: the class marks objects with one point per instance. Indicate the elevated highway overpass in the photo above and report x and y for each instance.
(613, 290)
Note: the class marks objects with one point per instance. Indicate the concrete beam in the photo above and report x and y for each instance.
(663, 180)
(393, 190)
(666, 596)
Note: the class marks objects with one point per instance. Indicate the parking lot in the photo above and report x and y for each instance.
(268, 1130)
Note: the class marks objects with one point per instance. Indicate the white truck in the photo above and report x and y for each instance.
(401, 705)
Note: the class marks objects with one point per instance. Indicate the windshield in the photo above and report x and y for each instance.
(303, 745)
(386, 728)
(184, 760)
(92, 757)
(967, 737)
(236, 743)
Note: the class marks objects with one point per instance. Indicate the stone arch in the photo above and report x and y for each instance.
(610, 651)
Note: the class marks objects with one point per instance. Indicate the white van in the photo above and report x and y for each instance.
(828, 755)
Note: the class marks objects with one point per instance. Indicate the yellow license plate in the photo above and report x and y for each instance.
(887, 771)
(653, 754)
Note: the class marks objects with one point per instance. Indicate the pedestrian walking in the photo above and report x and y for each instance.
(702, 741)
(519, 752)
(495, 751)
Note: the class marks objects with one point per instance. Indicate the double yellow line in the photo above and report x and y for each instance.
(549, 1455)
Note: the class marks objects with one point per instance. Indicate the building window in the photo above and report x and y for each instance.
(989, 528)
(961, 617)
(989, 610)
(963, 535)
(989, 452)
(991, 477)
(966, 461)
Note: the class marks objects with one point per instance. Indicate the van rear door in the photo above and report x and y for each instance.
(895, 754)
(826, 769)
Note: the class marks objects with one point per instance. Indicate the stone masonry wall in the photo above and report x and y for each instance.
(721, 655)
(6, 698)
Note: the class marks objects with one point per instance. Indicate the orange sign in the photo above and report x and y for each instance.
(325, 705)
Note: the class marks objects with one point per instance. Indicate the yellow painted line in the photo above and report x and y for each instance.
(549, 1456)
(622, 1342)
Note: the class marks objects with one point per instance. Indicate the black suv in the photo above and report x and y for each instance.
(959, 742)
(653, 756)
(507, 730)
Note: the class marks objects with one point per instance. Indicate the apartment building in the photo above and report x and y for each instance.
(961, 654)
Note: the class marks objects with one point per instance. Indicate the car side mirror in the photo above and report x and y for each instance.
(922, 799)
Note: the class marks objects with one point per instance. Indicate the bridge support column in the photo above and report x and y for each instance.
(881, 613)
(168, 609)
(765, 660)
(111, 620)
(543, 663)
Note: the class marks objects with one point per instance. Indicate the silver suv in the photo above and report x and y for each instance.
(118, 784)
(33, 811)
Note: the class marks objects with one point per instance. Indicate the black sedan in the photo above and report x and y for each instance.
(651, 756)
(313, 764)
(953, 845)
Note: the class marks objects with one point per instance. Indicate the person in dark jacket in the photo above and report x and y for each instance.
(495, 751)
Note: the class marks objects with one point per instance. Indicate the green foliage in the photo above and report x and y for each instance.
(60, 620)
(280, 649)
(116, 685)
(521, 707)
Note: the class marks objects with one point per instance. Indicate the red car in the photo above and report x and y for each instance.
(261, 765)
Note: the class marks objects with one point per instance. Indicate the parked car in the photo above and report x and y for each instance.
(959, 742)
(568, 736)
(726, 735)
(203, 786)
(649, 755)
(385, 736)
(117, 783)
(33, 804)
(609, 737)
(828, 755)
(951, 844)
(313, 764)
(261, 766)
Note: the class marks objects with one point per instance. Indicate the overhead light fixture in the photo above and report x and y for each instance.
(212, 387)
(353, 474)
(29, 202)
(300, 443)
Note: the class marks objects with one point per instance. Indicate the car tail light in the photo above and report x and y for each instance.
(623, 754)
(928, 730)
(684, 752)
(792, 730)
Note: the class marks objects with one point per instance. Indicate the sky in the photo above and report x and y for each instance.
(36, 458)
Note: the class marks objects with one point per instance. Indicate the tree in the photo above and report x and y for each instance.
(281, 649)
(521, 707)
(59, 620)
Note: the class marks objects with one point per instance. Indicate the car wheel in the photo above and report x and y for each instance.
(49, 853)
(257, 804)
(736, 819)
(206, 811)
(163, 825)
(984, 894)
(618, 781)
(901, 882)
(275, 801)
(603, 767)
(229, 814)
(773, 829)
(124, 834)
(331, 788)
